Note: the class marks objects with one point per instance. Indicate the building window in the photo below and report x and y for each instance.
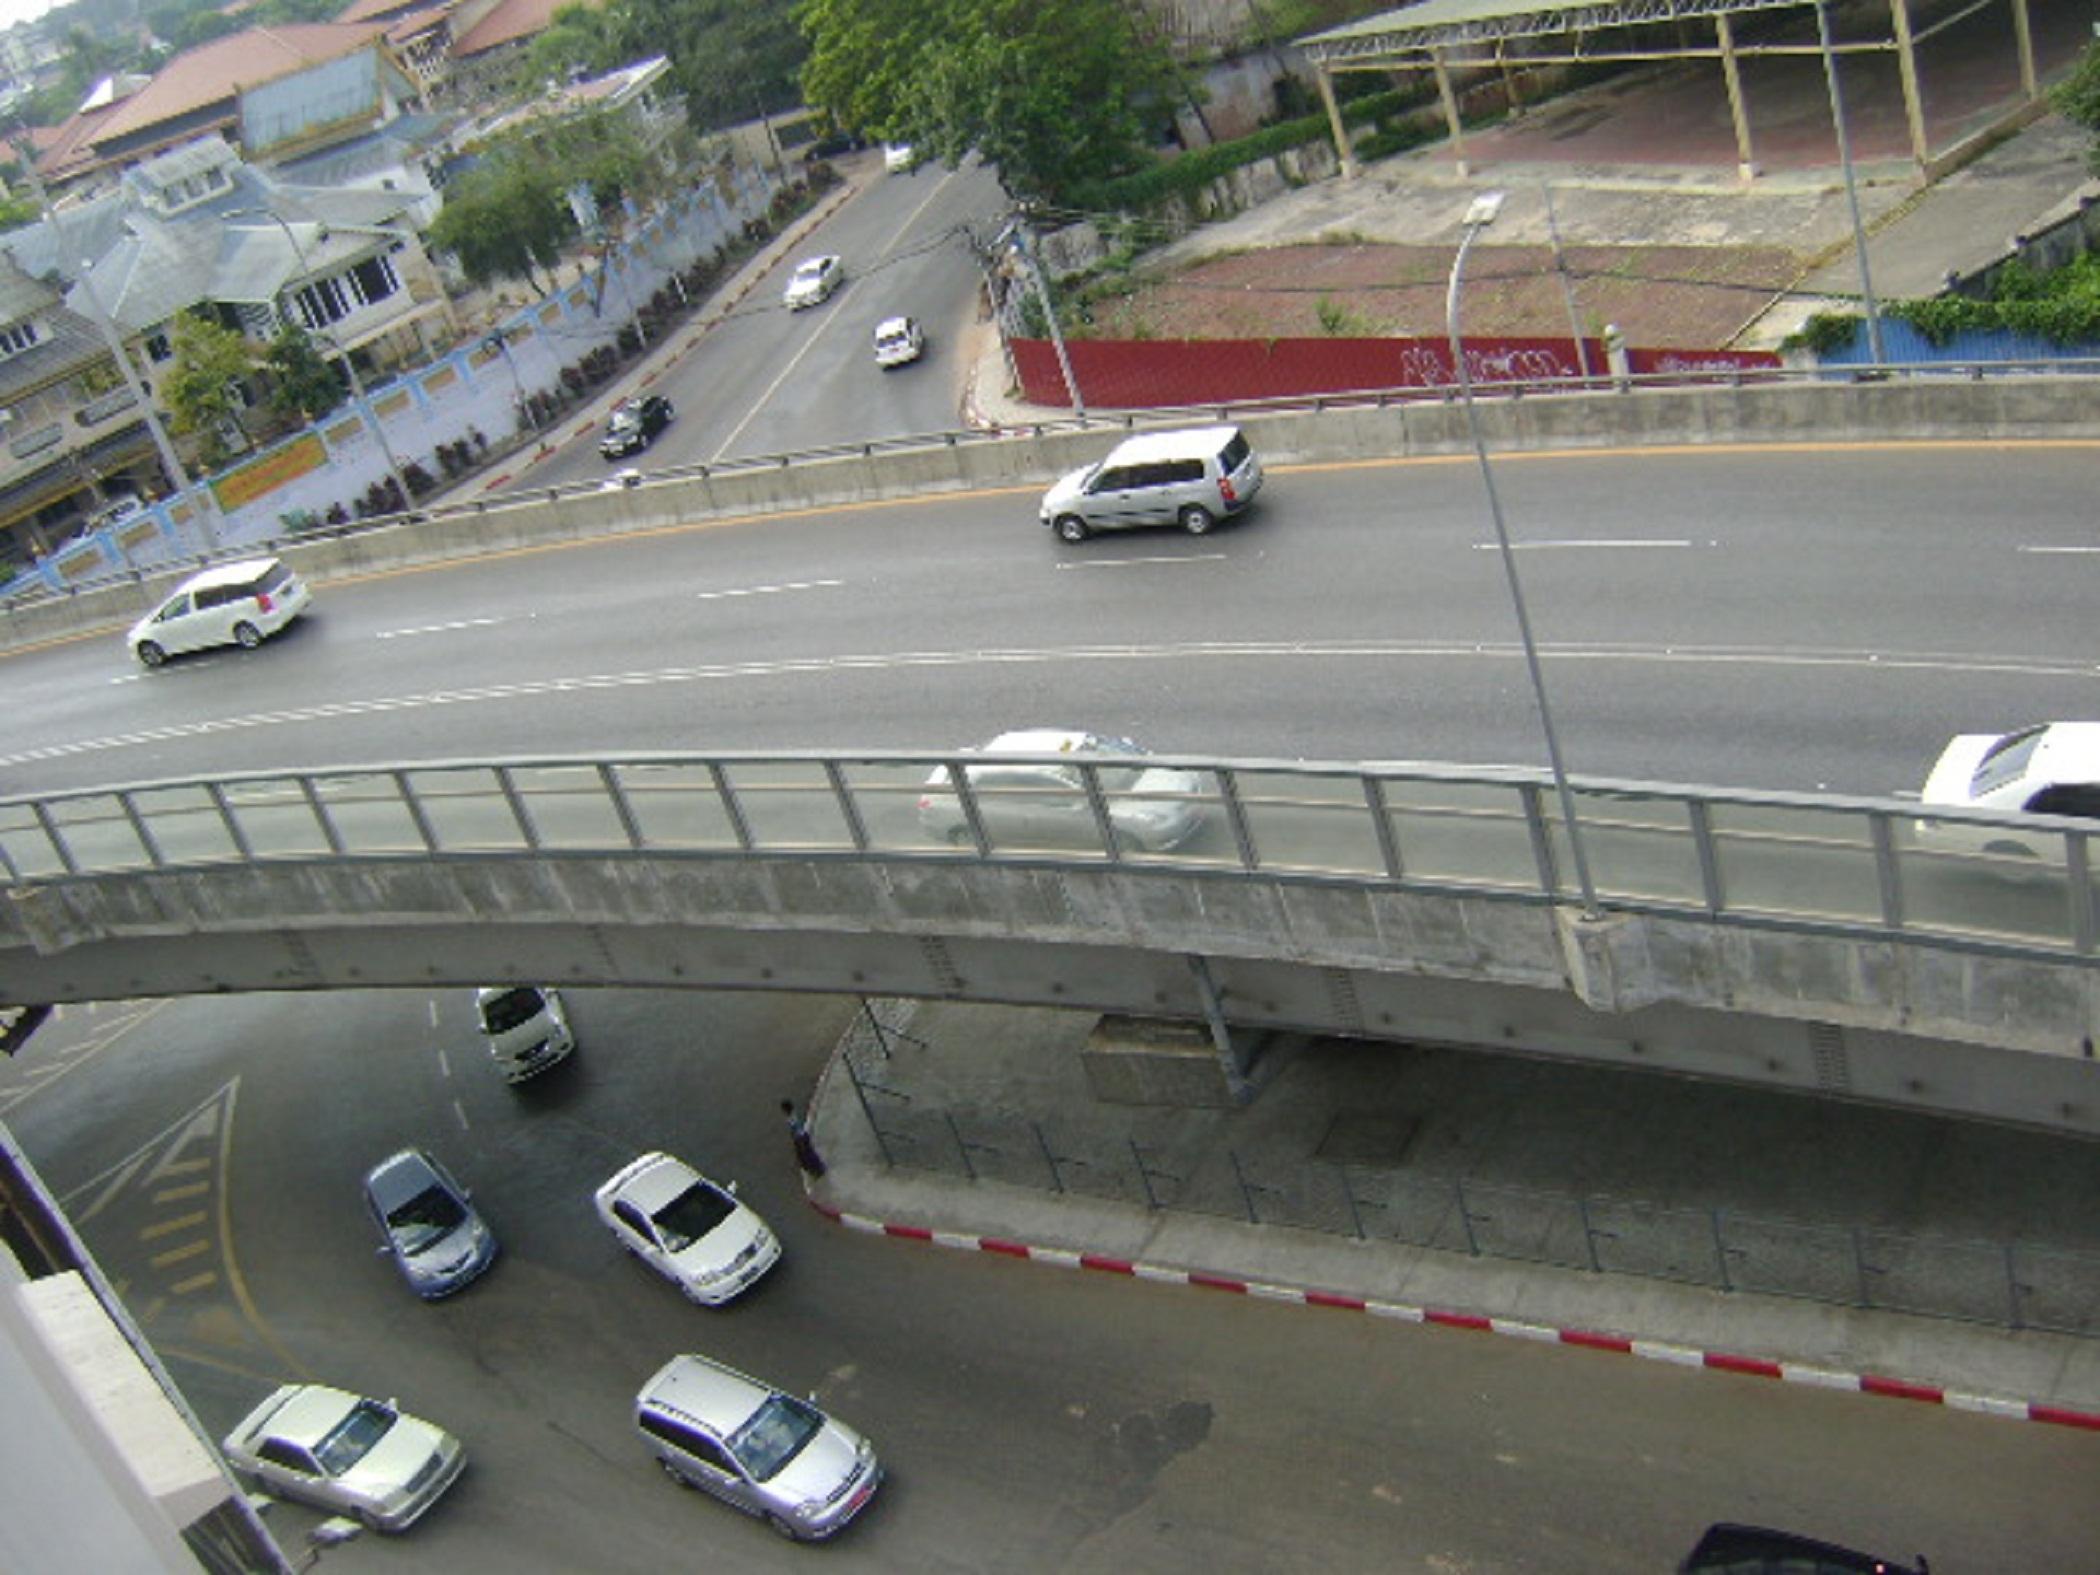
(328, 300)
(17, 337)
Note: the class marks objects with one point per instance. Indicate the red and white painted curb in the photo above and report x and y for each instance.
(1544, 1334)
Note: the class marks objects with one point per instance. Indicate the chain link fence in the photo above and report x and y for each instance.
(2018, 1285)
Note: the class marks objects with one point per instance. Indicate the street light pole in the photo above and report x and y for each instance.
(1479, 217)
(357, 385)
(1844, 142)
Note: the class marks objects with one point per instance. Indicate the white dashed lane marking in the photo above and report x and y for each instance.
(438, 628)
(768, 590)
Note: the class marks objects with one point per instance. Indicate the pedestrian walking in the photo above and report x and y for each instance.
(806, 1154)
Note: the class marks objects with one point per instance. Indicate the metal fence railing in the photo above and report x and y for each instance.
(2013, 885)
(2019, 1285)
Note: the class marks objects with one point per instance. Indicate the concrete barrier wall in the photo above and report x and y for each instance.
(1905, 1023)
(1986, 408)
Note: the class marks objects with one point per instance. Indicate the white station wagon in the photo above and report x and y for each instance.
(232, 604)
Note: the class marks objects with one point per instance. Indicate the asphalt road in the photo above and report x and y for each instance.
(1798, 618)
(1031, 1421)
(768, 381)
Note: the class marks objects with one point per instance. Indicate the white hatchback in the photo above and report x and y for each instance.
(898, 340)
(692, 1232)
(813, 280)
(233, 604)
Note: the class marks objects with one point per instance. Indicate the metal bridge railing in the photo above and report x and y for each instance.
(2018, 885)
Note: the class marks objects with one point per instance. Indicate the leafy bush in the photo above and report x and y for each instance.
(2062, 307)
(1825, 333)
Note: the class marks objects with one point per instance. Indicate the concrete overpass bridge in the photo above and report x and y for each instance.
(1838, 947)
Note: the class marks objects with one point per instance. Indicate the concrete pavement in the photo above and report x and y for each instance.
(949, 1127)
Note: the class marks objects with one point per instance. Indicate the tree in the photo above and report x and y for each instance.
(580, 38)
(2077, 99)
(505, 218)
(731, 59)
(303, 386)
(202, 381)
(1052, 96)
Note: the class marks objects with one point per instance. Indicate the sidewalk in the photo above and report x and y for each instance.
(1010, 1082)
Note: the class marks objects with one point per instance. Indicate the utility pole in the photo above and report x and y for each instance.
(1026, 253)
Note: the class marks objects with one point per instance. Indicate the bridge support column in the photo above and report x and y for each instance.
(1231, 1061)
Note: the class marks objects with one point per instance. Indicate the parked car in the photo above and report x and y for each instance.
(634, 425)
(898, 158)
(1192, 478)
(345, 1454)
(694, 1233)
(1032, 802)
(427, 1224)
(527, 1029)
(123, 506)
(2052, 768)
(233, 604)
(813, 280)
(898, 340)
(762, 1451)
(1757, 1550)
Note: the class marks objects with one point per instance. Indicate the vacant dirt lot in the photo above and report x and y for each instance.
(1663, 297)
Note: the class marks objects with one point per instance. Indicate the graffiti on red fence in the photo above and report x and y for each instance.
(1143, 373)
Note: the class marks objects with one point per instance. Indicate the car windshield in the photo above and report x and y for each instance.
(774, 1435)
(624, 421)
(691, 1215)
(2006, 761)
(513, 1008)
(427, 1218)
(351, 1439)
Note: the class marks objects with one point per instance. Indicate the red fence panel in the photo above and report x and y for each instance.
(1142, 373)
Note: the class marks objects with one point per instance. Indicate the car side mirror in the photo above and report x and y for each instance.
(732, 1189)
(330, 1532)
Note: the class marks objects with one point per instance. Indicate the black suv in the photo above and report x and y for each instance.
(634, 425)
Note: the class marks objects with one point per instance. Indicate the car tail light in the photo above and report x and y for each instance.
(262, 601)
(1225, 490)
(925, 801)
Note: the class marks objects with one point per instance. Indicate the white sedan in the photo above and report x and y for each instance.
(813, 280)
(345, 1454)
(692, 1232)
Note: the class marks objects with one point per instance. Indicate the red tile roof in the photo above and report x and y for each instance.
(216, 72)
(509, 21)
(374, 10)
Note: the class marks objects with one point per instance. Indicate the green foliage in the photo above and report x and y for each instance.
(303, 386)
(2077, 98)
(1824, 333)
(1342, 321)
(200, 382)
(730, 58)
(583, 40)
(2062, 307)
(1052, 96)
(1190, 172)
(507, 218)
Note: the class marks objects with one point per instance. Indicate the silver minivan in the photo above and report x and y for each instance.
(755, 1448)
(1191, 478)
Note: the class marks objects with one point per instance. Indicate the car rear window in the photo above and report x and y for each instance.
(2006, 761)
(276, 578)
(1234, 454)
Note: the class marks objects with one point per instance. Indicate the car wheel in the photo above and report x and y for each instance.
(151, 654)
(959, 837)
(248, 635)
(782, 1528)
(1195, 519)
(1070, 527)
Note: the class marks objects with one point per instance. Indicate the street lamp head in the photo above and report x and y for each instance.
(1485, 207)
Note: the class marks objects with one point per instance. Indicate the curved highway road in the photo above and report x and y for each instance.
(1782, 617)
(210, 1150)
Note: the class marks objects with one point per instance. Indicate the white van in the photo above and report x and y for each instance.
(1192, 478)
(234, 604)
(526, 1026)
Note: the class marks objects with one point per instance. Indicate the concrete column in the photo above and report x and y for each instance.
(2023, 40)
(1731, 73)
(1325, 79)
(1907, 65)
(1450, 101)
(1509, 80)
(1229, 1061)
